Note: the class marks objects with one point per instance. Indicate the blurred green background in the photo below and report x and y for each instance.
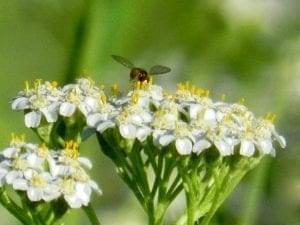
(241, 48)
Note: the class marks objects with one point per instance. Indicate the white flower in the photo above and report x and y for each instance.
(78, 193)
(148, 95)
(41, 186)
(134, 122)
(41, 100)
(83, 95)
(74, 183)
(103, 117)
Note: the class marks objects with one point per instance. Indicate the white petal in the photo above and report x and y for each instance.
(91, 103)
(73, 201)
(147, 118)
(201, 145)
(210, 115)
(184, 146)
(224, 148)
(20, 103)
(164, 140)
(142, 133)
(85, 162)
(28, 174)
(266, 147)
(83, 191)
(34, 194)
(33, 119)
(9, 152)
(11, 176)
(67, 109)
(105, 125)
(51, 114)
(51, 192)
(84, 108)
(137, 119)
(128, 131)
(281, 140)
(95, 187)
(247, 148)
(194, 110)
(93, 119)
(33, 160)
(20, 184)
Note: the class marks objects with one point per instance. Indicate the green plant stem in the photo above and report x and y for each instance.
(14, 209)
(90, 212)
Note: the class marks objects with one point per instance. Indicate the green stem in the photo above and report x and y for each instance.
(90, 212)
(190, 208)
(14, 209)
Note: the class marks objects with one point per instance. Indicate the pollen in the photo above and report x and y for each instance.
(72, 149)
(242, 101)
(54, 84)
(19, 164)
(37, 83)
(135, 98)
(27, 86)
(17, 139)
(68, 186)
(115, 89)
(270, 117)
(43, 150)
(103, 99)
(38, 181)
(73, 97)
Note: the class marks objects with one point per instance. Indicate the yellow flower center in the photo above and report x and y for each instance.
(73, 97)
(38, 181)
(72, 149)
(17, 139)
(19, 164)
(67, 185)
(43, 151)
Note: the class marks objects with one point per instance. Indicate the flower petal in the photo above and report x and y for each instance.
(20, 184)
(67, 109)
(94, 119)
(20, 103)
(247, 148)
(164, 140)
(10, 152)
(184, 146)
(201, 145)
(85, 162)
(142, 133)
(128, 131)
(266, 147)
(34, 194)
(105, 125)
(33, 119)
(224, 148)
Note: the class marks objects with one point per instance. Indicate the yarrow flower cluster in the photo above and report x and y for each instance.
(188, 117)
(47, 100)
(183, 138)
(46, 174)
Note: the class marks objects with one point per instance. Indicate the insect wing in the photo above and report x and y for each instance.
(158, 69)
(123, 61)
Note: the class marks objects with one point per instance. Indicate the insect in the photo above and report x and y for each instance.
(139, 74)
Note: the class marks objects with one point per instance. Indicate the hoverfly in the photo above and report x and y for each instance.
(139, 74)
